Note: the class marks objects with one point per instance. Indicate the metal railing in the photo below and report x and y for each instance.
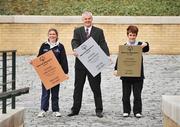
(7, 78)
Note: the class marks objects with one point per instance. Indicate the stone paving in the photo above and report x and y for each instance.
(162, 78)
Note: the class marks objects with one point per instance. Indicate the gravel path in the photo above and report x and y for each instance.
(162, 77)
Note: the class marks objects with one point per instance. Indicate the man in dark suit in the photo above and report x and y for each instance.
(81, 34)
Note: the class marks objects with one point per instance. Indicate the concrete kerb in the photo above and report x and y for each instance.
(13, 118)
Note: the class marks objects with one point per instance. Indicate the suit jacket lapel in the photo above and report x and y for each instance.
(92, 32)
(83, 33)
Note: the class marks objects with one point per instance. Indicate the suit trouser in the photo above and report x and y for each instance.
(135, 86)
(54, 98)
(80, 77)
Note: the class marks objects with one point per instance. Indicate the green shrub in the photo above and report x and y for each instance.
(98, 7)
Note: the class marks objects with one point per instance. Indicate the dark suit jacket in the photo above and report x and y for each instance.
(79, 37)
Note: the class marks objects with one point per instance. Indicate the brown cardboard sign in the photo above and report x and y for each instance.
(129, 61)
(49, 70)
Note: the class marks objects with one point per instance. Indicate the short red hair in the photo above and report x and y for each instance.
(132, 29)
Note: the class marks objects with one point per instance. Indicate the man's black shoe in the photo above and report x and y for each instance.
(99, 114)
(72, 114)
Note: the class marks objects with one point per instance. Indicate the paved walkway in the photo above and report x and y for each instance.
(162, 77)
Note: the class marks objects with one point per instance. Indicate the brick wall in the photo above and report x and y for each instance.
(27, 37)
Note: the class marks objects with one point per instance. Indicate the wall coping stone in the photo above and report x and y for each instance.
(35, 19)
